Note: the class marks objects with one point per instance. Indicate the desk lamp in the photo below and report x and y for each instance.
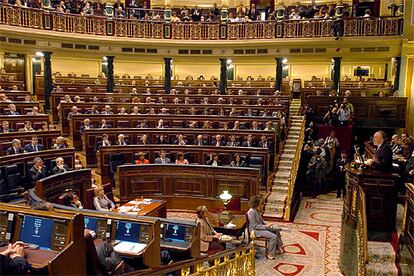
(225, 216)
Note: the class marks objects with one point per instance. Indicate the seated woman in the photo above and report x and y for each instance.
(101, 201)
(180, 159)
(262, 229)
(238, 161)
(71, 199)
(141, 159)
(209, 237)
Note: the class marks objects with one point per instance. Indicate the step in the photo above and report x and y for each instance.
(279, 189)
(280, 182)
(381, 252)
(386, 269)
(286, 163)
(279, 200)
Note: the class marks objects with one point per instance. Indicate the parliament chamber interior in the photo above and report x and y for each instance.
(228, 137)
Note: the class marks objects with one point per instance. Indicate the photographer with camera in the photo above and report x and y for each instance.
(316, 173)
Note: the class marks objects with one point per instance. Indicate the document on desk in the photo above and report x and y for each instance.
(130, 247)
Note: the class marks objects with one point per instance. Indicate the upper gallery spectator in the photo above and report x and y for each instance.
(34, 145)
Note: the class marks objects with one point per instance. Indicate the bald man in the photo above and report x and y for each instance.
(382, 160)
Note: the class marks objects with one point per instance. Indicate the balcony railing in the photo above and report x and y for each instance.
(131, 28)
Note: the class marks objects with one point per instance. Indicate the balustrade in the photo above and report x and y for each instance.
(133, 28)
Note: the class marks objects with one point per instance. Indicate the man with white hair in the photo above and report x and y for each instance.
(60, 167)
(16, 147)
(121, 140)
(382, 160)
(12, 110)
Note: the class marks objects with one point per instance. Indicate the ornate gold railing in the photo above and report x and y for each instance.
(362, 239)
(98, 25)
(235, 262)
(294, 171)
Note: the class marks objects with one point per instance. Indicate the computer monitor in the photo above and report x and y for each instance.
(175, 232)
(90, 223)
(37, 230)
(127, 231)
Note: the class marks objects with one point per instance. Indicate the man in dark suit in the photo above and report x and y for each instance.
(382, 160)
(200, 141)
(196, 14)
(253, 13)
(33, 146)
(249, 142)
(219, 142)
(233, 142)
(264, 143)
(38, 171)
(60, 167)
(12, 110)
(16, 147)
(5, 127)
(163, 159)
(340, 174)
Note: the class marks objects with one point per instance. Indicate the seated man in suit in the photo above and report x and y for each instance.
(34, 145)
(60, 143)
(38, 171)
(249, 141)
(121, 140)
(233, 142)
(264, 143)
(5, 127)
(200, 141)
(86, 125)
(16, 147)
(382, 160)
(60, 167)
(27, 127)
(13, 261)
(73, 111)
(163, 159)
(107, 110)
(218, 142)
(104, 142)
(12, 110)
(103, 124)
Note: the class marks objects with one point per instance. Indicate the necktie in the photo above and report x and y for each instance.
(35, 147)
(15, 151)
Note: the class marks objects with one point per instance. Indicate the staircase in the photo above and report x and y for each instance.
(278, 201)
(381, 259)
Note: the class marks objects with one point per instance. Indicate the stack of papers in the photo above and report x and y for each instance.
(230, 225)
(130, 247)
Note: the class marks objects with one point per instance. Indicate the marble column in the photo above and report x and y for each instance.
(167, 75)
(223, 75)
(110, 82)
(47, 78)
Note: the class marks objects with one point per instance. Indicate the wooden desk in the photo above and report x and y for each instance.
(188, 186)
(236, 231)
(37, 258)
(17, 121)
(381, 198)
(156, 208)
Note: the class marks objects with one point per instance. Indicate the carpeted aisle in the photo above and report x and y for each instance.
(312, 242)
